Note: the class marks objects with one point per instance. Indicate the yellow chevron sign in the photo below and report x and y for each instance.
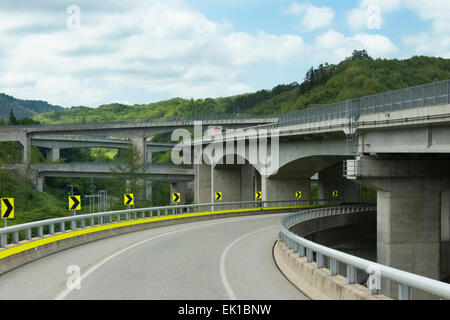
(74, 203)
(335, 193)
(128, 199)
(218, 196)
(258, 195)
(7, 208)
(298, 194)
(176, 197)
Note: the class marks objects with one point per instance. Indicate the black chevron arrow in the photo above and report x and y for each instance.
(9, 208)
(130, 199)
(75, 203)
(298, 194)
(176, 197)
(218, 196)
(258, 195)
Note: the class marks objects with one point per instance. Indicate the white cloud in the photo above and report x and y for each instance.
(156, 47)
(312, 17)
(369, 14)
(339, 46)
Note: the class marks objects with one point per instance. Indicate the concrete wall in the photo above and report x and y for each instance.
(331, 180)
(284, 189)
(318, 284)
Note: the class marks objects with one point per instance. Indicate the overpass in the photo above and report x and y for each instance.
(137, 131)
(53, 144)
(396, 142)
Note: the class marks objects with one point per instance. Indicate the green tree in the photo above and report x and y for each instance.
(130, 169)
(12, 118)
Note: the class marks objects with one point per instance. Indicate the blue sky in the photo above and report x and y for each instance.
(92, 52)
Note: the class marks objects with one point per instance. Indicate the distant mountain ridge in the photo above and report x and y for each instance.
(23, 108)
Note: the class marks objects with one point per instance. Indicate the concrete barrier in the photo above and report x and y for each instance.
(317, 284)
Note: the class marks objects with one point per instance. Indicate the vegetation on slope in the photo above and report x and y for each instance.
(357, 76)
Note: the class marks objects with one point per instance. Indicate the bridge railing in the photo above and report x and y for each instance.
(376, 271)
(431, 94)
(27, 231)
(226, 118)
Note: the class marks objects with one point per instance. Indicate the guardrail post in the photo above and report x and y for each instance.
(52, 229)
(73, 224)
(40, 231)
(83, 223)
(309, 255)
(28, 236)
(404, 292)
(351, 274)
(3, 240)
(320, 260)
(333, 266)
(16, 237)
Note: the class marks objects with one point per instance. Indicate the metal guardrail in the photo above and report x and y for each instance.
(375, 270)
(431, 94)
(27, 231)
(227, 118)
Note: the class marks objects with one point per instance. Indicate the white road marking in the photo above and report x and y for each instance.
(223, 275)
(63, 294)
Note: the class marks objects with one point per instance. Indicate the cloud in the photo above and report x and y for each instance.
(153, 47)
(312, 17)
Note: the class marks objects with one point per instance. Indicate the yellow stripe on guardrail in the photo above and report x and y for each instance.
(71, 234)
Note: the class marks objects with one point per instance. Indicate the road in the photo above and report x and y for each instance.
(219, 259)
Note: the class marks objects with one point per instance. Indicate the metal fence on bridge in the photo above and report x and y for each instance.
(431, 94)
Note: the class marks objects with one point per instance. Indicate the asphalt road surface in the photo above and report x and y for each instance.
(219, 259)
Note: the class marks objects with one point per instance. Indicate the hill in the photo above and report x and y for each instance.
(23, 108)
(357, 76)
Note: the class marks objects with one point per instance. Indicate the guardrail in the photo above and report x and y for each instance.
(27, 231)
(227, 118)
(430, 94)
(375, 270)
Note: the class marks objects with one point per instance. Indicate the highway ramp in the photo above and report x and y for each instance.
(218, 259)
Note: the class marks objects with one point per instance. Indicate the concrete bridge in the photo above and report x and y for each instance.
(138, 132)
(397, 143)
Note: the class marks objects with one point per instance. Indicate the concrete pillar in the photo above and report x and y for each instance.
(445, 216)
(408, 228)
(148, 190)
(141, 145)
(235, 183)
(284, 189)
(247, 184)
(202, 183)
(331, 179)
(52, 154)
(185, 190)
(26, 143)
(228, 181)
(40, 183)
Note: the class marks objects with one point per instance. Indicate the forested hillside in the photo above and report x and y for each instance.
(359, 75)
(23, 108)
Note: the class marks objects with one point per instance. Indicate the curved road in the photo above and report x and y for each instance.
(218, 259)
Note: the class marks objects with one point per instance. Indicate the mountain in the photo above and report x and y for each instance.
(23, 108)
(354, 77)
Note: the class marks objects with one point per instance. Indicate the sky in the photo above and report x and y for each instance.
(94, 52)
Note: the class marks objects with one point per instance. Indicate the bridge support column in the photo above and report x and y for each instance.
(202, 183)
(333, 186)
(52, 154)
(26, 143)
(40, 183)
(408, 215)
(185, 190)
(235, 183)
(285, 189)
